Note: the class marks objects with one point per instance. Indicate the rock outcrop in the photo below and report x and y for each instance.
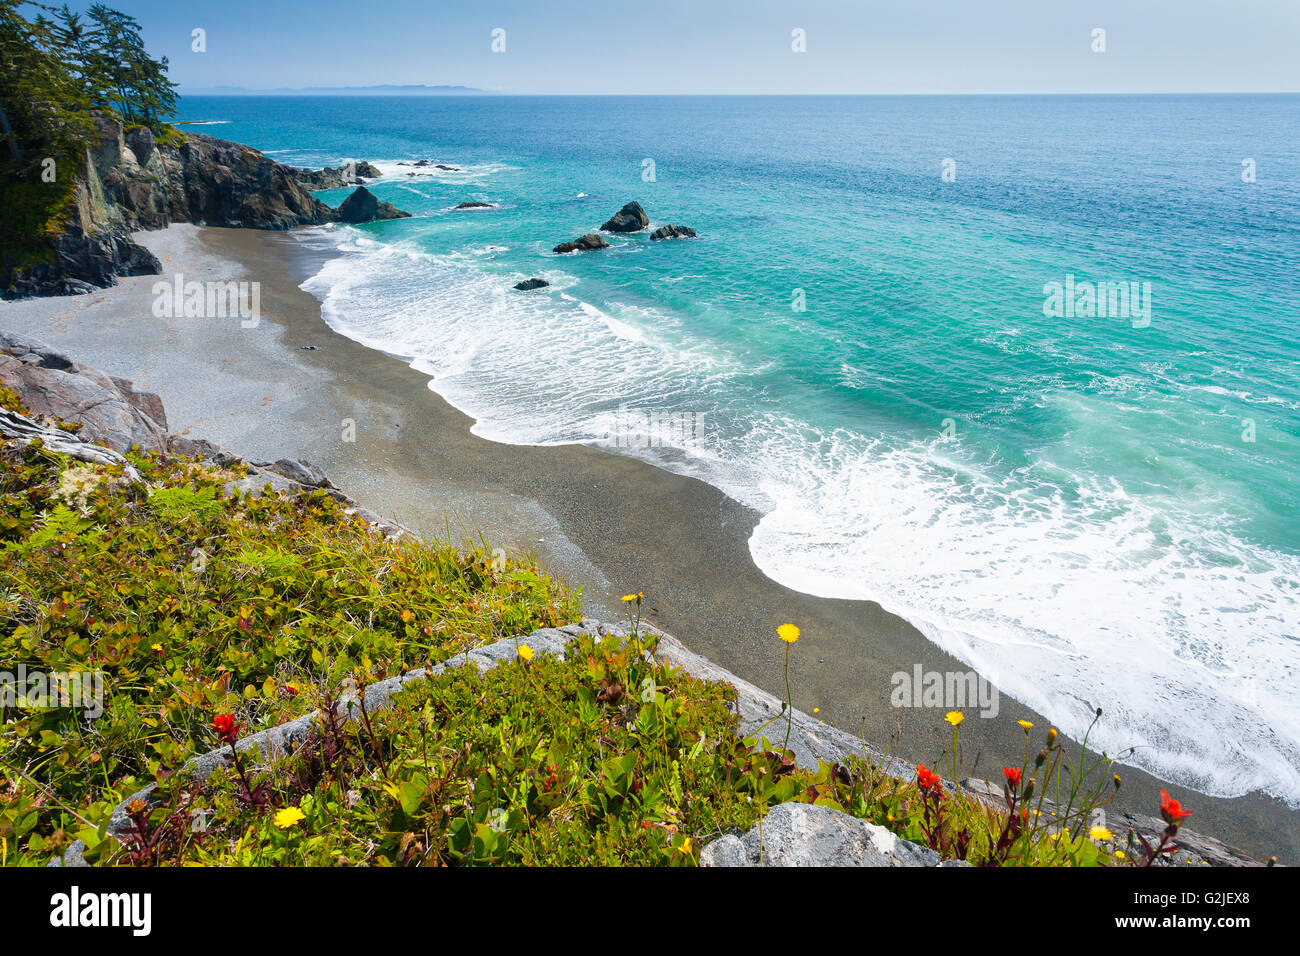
(671, 231)
(587, 243)
(631, 218)
(133, 181)
(364, 206)
(53, 387)
(84, 262)
(528, 285)
(349, 174)
(803, 834)
(475, 205)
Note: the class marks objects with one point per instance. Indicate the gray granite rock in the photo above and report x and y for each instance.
(111, 411)
(804, 834)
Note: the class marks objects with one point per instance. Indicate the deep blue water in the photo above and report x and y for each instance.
(1087, 508)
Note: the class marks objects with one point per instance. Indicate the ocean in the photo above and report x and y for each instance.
(1025, 370)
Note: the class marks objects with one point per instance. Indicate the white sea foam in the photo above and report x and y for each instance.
(1152, 609)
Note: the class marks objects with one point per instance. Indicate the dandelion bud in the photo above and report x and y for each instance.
(1029, 788)
(1051, 738)
(1042, 756)
(1115, 777)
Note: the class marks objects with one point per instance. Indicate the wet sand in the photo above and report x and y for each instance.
(608, 523)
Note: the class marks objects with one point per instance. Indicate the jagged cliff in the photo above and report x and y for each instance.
(132, 181)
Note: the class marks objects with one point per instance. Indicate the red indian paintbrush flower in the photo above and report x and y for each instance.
(926, 779)
(1172, 810)
(226, 727)
(1013, 776)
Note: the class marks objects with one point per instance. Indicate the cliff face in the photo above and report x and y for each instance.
(133, 182)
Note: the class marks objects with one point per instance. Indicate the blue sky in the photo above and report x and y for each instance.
(735, 46)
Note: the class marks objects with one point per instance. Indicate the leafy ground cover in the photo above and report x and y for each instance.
(208, 617)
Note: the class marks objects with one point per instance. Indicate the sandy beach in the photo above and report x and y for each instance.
(610, 524)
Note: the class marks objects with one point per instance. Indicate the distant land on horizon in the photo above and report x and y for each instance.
(384, 89)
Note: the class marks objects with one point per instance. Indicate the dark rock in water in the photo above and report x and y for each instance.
(529, 284)
(423, 162)
(631, 218)
(309, 348)
(450, 169)
(349, 174)
(475, 205)
(587, 243)
(364, 206)
(673, 232)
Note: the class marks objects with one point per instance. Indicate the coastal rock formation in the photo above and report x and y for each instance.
(134, 181)
(84, 262)
(673, 232)
(803, 834)
(529, 284)
(631, 218)
(349, 174)
(475, 205)
(53, 387)
(587, 243)
(364, 206)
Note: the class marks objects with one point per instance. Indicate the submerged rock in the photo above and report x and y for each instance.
(631, 218)
(587, 243)
(673, 232)
(364, 206)
(474, 204)
(529, 284)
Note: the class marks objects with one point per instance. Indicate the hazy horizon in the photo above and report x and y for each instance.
(930, 47)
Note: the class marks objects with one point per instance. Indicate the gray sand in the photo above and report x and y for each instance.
(606, 522)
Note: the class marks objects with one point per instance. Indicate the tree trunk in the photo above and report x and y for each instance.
(9, 135)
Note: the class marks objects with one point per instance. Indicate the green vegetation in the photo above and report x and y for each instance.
(211, 617)
(57, 69)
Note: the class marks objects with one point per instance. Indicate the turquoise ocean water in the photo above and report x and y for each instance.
(1089, 509)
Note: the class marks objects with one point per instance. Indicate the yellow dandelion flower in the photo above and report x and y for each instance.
(289, 817)
(788, 633)
(817, 710)
(632, 597)
(1100, 833)
(1027, 724)
(954, 717)
(1120, 855)
(525, 652)
(408, 616)
(157, 647)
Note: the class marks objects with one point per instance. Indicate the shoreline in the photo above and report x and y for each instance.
(608, 522)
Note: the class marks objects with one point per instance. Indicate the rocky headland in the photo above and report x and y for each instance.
(132, 181)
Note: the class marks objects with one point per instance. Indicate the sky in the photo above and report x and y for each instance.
(733, 46)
